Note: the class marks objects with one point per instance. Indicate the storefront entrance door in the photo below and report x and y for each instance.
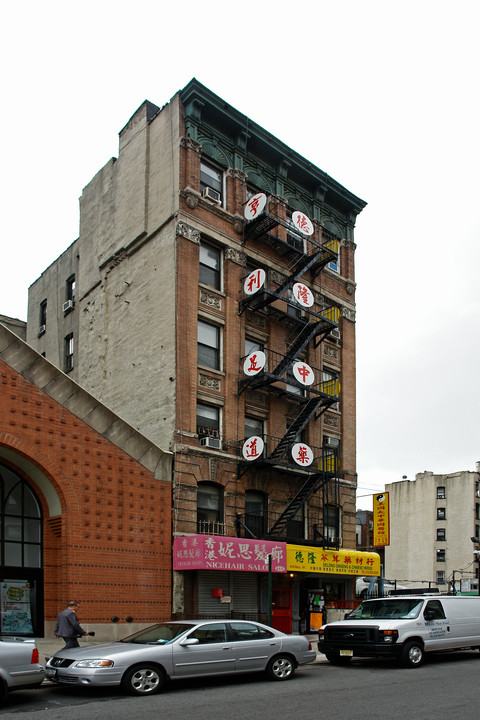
(282, 609)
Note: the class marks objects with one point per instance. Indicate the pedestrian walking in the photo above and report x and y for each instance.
(68, 627)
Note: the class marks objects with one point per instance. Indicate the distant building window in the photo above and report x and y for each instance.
(441, 514)
(208, 345)
(210, 266)
(71, 288)
(43, 317)
(441, 534)
(477, 511)
(441, 494)
(441, 555)
(440, 577)
(69, 348)
(211, 178)
(208, 420)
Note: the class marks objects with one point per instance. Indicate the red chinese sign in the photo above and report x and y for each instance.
(303, 295)
(302, 223)
(254, 363)
(255, 206)
(303, 373)
(302, 454)
(253, 447)
(254, 281)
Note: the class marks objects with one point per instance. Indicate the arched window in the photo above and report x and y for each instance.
(256, 512)
(20, 522)
(210, 508)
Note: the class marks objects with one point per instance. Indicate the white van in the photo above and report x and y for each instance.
(404, 627)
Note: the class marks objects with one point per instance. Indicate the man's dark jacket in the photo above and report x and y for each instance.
(67, 625)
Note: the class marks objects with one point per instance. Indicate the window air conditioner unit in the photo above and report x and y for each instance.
(67, 305)
(335, 333)
(331, 442)
(211, 443)
(212, 194)
(41, 329)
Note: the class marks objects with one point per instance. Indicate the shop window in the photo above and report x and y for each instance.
(210, 266)
(208, 345)
(256, 513)
(210, 509)
(441, 494)
(441, 534)
(69, 349)
(211, 182)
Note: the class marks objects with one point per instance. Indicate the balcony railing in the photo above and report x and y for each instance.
(209, 527)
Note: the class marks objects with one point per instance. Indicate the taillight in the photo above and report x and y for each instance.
(35, 656)
(310, 646)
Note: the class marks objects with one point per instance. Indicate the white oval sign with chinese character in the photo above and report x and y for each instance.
(252, 448)
(255, 206)
(302, 222)
(302, 454)
(254, 362)
(303, 373)
(303, 295)
(254, 281)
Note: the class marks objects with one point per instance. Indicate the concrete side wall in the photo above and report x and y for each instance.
(411, 555)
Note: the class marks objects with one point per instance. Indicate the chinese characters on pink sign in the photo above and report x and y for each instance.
(212, 552)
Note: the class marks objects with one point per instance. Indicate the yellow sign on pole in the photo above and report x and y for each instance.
(381, 520)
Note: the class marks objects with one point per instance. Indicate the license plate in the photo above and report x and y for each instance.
(346, 653)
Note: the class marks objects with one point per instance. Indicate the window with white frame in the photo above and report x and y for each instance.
(210, 266)
(208, 345)
(211, 181)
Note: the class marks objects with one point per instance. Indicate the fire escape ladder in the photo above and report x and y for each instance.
(302, 419)
(306, 491)
(300, 268)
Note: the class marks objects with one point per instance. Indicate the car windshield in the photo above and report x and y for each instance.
(160, 634)
(381, 609)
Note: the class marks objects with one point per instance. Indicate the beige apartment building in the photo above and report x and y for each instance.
(432, 522)
(209, 300)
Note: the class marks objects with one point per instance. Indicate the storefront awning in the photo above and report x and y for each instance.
(304, 558)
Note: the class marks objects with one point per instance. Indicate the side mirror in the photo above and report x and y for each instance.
(188, 641)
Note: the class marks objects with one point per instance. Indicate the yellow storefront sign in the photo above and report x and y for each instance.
(304, 558)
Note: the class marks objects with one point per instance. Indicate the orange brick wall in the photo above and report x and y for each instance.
(111, 548)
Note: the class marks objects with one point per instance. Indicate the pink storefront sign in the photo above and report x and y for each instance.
(213, 552)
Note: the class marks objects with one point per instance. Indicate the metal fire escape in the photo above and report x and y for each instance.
(309, 326)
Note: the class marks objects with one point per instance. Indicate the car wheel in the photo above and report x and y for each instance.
(412, 654)
(337, 659)
(281, 668)
(143, 680)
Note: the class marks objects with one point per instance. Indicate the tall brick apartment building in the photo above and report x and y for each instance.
(210, 301)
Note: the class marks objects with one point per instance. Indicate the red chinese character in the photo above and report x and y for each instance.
(335, 558)
(251, 449)
(369, 561)
(253, 280)
(348, 560)
(253, 364)
(303, 294)
(302, 454)
(253, 205)
(359, 561)
(304, 371)
(302, 222)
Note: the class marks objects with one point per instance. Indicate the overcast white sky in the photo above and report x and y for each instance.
(382, 96)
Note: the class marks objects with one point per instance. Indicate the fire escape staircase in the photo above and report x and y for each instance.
(310, 486)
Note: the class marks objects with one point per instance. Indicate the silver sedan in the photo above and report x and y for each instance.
(141, 663)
